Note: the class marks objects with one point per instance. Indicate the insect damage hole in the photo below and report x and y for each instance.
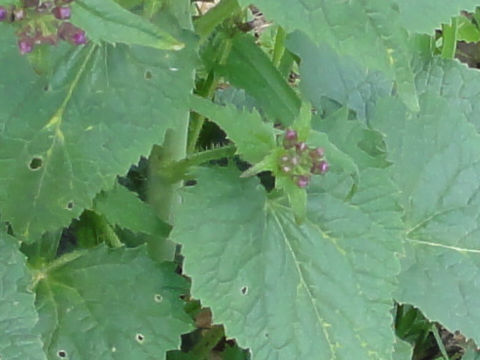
(244, 290)
(70, 205)
(36, 163)
(62, 354)
(140, 338)
(148, 75)
(158, 298)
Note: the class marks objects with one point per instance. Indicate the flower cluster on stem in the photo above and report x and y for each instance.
(42, 22)
(299, 161)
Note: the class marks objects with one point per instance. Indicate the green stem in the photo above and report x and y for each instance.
(207, 155)
(279, 47)
(449, 34)
(439, 341)
(205, 25)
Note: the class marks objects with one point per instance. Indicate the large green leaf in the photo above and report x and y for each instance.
(111, 304)
(436, 156)
(365, 29)
(249, 68)
(65, 137)
(325, 74)
(426, 16)
(321, 290)
(18, 317)
(108, 21)
(403, 351)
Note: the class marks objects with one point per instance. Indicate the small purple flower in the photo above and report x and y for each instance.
(3, 13)
(62, 12)
(79, 37)
(290, 138)
(317, 153)
(302, 181)
(25, 46)
(301, 147)
(320, 167)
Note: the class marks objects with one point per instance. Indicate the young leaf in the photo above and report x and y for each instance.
(249, 68)
(253, 137)
(66, 136)
(131, 311)
(18, 317)
(108, 21)
(402, 351)
(436, 157)
(123, 208)
(276, 285)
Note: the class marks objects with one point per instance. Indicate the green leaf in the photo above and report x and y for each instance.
(467, 31)
(249, 68)
(253, 138)
(365, 29)
(402, 350)
(66, 136)
(425, 16)
(108, 21)
(364, 147)
(436, 157)
(123, 208)
(131, 311)
(18, 317)
(325, 74)
(276, 285)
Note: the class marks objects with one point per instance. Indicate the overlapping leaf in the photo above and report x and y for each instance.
(403, 350)
(436, 156)
(65, 137)
(18, 317)
(132, 309)
(277, 285)
(107, 21)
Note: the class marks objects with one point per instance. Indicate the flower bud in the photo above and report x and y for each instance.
(290, 138)
(285, 159)
(45, 6)
(79, 38)
(317, 153)
(302, 181)
(295, 160)
(301, 147)
(286, 169)
(62, 12)
(18, 14)
(25, 46)
(320, 167)
(31, 3)
(3, 13)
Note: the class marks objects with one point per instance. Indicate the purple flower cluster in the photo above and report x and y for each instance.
(300, 161)
(42, 22)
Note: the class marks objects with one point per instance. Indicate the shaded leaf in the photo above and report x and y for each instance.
(18, 317)
(65, 137)
(131, 311)
(402, 351)
(276, 285)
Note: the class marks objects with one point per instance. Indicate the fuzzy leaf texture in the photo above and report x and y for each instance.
(18, 317)
(65, 137)
(132, 311)
(276, 285)
(436, 156)
(107, 21)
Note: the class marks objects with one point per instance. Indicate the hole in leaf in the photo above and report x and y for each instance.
(158, 298)
(46, 87)
(148, 75)
(62, 354)
(140, 338)
(244, 290)
(36, 163)
(190, 182)
(70, 205)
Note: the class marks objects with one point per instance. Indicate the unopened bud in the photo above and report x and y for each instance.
(62, 12)
(290, 138)
(286, 169)
(25, 46)
(18, 14)
(302, 181)
(320, 167)
(301, 146)
(79, 38)
(317, 153)
(3, 13)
